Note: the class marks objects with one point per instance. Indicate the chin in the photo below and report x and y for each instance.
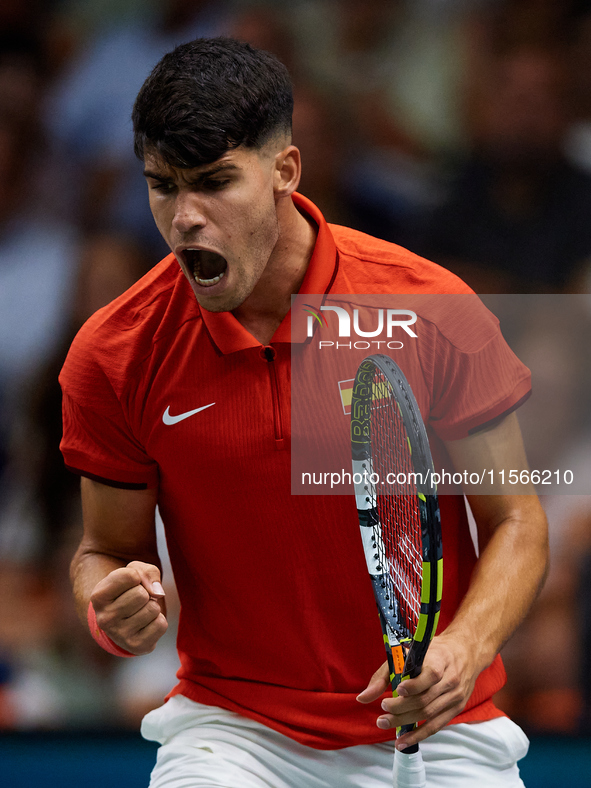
(219, 304)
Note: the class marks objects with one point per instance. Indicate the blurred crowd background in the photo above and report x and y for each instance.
(458, 128)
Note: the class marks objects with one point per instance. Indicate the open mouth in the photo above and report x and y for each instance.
(207, 267)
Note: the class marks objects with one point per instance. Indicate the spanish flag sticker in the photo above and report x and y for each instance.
(381, 390)
(346, 392)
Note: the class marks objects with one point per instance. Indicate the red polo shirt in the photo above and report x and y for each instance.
(278, 620)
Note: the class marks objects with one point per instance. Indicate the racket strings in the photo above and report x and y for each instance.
(397, 503)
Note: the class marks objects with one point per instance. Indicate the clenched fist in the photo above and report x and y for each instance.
(130, 607)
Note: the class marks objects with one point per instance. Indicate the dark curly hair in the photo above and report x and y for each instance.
(208, 96)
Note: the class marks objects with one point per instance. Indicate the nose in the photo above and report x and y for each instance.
(188, 213)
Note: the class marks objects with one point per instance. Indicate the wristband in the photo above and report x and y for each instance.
(101, 638)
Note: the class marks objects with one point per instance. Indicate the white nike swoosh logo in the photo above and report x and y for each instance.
(168, 419)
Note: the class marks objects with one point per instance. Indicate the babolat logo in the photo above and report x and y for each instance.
(387, 321)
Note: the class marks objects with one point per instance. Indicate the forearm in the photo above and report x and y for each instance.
(118, 529)
(128, 610)
(512, 564)
(87, 569)
(509, 574)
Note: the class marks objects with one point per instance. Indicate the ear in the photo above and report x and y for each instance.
(288, 169)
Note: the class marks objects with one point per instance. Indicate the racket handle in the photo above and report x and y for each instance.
(409, 770)
(407, 729)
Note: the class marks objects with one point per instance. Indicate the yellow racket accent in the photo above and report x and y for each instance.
(425, 588)
(439, 579)
(421, 627)
(435, 622)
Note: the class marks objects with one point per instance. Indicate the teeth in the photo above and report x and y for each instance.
(196, 254)
(209, 282)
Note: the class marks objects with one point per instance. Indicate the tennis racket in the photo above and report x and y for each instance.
(400, 526)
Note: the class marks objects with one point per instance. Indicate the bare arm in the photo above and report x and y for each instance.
(117, 565)
(513, 545)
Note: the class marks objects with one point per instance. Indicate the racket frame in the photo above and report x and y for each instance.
(405, 650)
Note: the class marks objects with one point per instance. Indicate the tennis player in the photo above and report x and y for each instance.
(177, 395)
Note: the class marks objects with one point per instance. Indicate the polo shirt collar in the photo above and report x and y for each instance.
(230, 336)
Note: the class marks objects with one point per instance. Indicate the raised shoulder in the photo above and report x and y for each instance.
(118, 338)
(372, 265)
(446, 306)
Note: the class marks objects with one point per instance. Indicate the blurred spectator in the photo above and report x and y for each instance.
(55, 675)
(578, 138)
(548, 689)
(43, 501)
(21, 66)
(89, 115)
(512, 24)
(397, 63)
(554, 343)
(19, 17)
(583, 610)
(319, 134)
(83, 17)
(552, 334)
(37, 248)
(398, 68)
(6, 711)
(517, 217)
(265, 25)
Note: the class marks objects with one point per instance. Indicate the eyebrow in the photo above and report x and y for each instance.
(207, 173)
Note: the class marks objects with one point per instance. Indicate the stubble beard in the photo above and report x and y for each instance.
(267, 238)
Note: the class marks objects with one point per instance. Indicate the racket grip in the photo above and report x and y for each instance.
(409, 770)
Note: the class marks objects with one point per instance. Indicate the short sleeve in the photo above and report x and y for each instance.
(98, 439)
(476, 378)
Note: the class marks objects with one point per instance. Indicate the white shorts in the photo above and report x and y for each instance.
(208, 747)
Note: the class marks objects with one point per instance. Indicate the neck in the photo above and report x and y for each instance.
(262, 312)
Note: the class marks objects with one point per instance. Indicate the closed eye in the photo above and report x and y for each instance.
(163, 187)
(215, 184)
